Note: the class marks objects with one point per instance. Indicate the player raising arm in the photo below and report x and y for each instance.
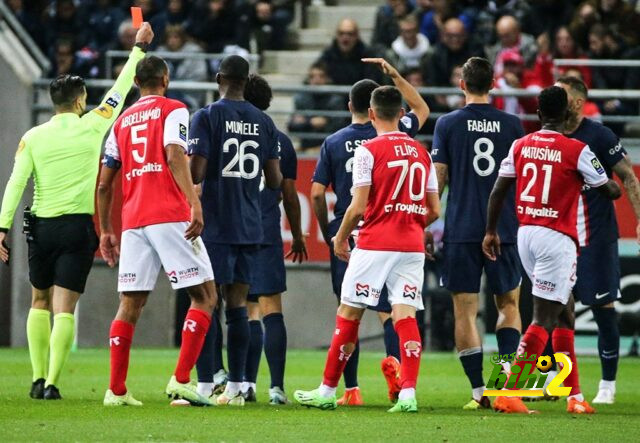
(549, 171)
(396, 192)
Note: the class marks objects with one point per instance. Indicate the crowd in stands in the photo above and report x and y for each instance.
(428, 40)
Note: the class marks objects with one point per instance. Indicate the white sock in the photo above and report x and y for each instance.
(608, 384)
(233, 388)
(205, 389)
(407, 393)
(578, 397)
(477, 393)
(244, 386)
(326, 391)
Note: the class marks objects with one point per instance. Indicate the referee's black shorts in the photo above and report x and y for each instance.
(61, 252)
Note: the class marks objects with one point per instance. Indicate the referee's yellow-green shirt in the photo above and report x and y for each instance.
(63, 155)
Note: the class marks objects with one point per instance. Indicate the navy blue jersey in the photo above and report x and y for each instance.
(472, 142)
(270, 198)
(237, 139)
(336, 159)
(602, 225)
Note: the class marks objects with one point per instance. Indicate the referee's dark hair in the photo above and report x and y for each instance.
(258, 92)
(552, 104)
(64, 89)
(575, 84)
(150, 71)
(386, 102)
(477, 74)
(360, 95)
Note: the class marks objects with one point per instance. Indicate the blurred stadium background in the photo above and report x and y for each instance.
(310, 55)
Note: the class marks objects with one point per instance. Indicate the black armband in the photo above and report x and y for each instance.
(143, 46)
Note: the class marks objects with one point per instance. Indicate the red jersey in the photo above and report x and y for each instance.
(550, 170)
(400, 173)
(138, 140)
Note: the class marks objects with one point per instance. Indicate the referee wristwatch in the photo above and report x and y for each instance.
(142, 45)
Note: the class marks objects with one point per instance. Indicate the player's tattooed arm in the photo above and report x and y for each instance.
(491, 242)
(109, 247)
(442, 174)
(352, 216)
(624, 170)
(291, 204)
(179, 166)
(416, 103)
(319, 202)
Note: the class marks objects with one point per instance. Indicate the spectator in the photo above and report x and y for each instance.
(29, 18)
(176, 13)
(547, 16)
(104, 20)
(510, 38)
(343, 57)
(432, 25)
(386, 29)
(565, 47)
(453, 101)
(67, 21)
(310, 101)
(268, 21)
(214, 24)
(620, 17)
(193, 69)
(454, 49)
(487, 14)
(408, 49)
(422, 7)
(64, 58)
(585, 17)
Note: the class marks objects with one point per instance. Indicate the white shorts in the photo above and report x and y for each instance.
(369, 271)
(144, 250)
(549, 258)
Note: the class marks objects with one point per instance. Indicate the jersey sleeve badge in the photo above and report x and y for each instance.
(597, 165)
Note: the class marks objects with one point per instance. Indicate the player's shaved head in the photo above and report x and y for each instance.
(65, 89)
(151, 72)
(258, 92)
(576, 86)
(235, 68)
(477, 74)
(386, 102)
(552, 105)
(360, 95)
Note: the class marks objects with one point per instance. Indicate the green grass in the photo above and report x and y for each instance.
(443, 389)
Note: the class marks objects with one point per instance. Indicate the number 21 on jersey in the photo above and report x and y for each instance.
(531, 170)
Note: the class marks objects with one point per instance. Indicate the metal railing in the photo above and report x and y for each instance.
(111, 55)
(600, 63)
(12, 22)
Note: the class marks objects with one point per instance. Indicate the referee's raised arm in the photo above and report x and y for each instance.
(63, 156)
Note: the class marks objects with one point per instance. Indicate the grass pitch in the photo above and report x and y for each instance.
(443, 390)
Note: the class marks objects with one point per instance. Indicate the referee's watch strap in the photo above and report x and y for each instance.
(143, 46)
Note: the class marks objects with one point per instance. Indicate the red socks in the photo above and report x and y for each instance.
(562, 340)
(533, 342)
(346, 332)
(120, 337)
(195, 327)
(410, 349)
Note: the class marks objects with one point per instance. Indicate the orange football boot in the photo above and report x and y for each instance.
(579, 407)
(510, 405)
(351, 397)
(391, 369)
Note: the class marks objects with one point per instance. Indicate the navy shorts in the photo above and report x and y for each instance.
(598, 273)
(232, 263)
(463, 264)
(338, 268)
(268, 276)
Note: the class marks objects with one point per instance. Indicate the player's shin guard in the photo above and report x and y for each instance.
(62, 335)
(275, 347)
(237, 343)
(196, 324)
(255, 351)
(608, 340)
(38, 335)
(120, 338)
(411, 348)
(563, 341)
(346, 332)
(391, 340)
(533, 342)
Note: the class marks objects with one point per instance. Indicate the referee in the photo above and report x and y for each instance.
(63, 156)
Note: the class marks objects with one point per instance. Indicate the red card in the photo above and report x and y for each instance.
(136, 17)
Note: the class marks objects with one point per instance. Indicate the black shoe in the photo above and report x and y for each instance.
(37, 389)
(52, 393)
(250, 395)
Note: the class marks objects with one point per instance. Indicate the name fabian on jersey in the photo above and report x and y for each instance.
(483, 126)
(403, 207)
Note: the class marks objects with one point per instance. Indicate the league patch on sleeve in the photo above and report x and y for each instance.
(106, 110)
(182, 129)
(21, 146)
(597, 166)
(406, 120)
